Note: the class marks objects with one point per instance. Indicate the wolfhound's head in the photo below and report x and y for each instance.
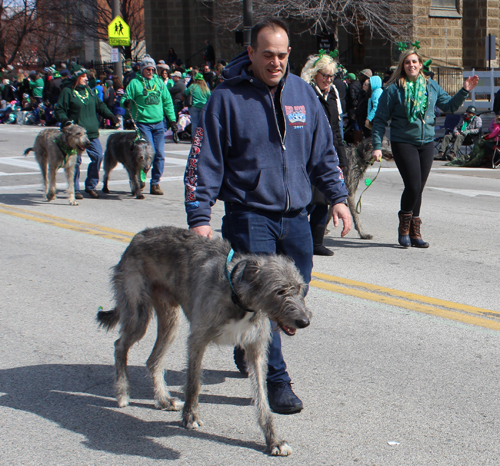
(143, 153)
(75, 136)
(273, 285)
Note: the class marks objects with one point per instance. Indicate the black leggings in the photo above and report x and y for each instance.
(414, 164)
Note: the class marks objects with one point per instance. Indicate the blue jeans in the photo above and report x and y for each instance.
(260, 232)
(155, 134)
(194, 113)
(94, 151)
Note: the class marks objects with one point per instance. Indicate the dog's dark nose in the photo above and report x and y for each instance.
(302, 323)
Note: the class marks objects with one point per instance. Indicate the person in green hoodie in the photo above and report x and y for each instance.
(147, 100)
(78, 104)
(408, 102)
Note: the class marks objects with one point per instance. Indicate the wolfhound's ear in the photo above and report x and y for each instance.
(244, 270)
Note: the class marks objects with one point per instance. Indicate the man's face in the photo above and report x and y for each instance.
(206, 69)
(270, 57)
(175, 78)
(148, 72)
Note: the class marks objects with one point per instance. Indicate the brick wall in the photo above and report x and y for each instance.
(450, 42)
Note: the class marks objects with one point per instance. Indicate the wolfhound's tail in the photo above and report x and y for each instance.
(28, 150)
(108, 319)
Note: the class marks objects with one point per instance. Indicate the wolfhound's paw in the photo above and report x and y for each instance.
(366, 236)
(140, 196)
(281, 449)
(73, 202)
(50, 197)
(191, 421)
(123, 401)
(170, 404)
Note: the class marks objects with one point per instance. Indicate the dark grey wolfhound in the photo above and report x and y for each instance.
(359, 159)
(59, 148)
(133, 152)
(227, 300)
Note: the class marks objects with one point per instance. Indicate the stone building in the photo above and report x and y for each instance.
(451, 32)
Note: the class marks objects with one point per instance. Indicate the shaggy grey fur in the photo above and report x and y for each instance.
(133, 154)
(360, 158)
(50, 157)
(165, 269)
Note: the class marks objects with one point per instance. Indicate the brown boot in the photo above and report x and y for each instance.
(155, 189)
(415, 236)
(404, 229)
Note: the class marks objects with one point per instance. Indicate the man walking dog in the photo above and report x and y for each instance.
(262, 140)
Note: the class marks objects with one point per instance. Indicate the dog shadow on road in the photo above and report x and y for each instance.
(79, 398)
(357, 243)
(32, 199)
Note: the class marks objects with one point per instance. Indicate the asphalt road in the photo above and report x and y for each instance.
(399, 366)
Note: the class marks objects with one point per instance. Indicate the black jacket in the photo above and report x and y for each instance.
(332, 113)
(342, 89)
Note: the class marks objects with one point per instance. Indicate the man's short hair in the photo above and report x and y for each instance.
(272, 23)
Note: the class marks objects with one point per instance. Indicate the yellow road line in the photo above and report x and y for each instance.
(437, 307)
(68, 224)
(409, 296)
(447, 314)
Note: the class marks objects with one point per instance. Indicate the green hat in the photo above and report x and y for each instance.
(198, 76)
(351, 76)
(77, 70)
(426, 65)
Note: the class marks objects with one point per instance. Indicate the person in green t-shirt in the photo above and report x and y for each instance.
(36, 85)
(200, 93)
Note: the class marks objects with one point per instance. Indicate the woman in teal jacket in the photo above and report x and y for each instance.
(408, 101)
(200, 93)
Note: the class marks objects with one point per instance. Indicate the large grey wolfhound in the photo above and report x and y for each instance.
(59, 148)
(359, 158)
(134, 152)
(227, 300)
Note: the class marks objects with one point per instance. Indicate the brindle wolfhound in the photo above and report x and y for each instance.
(134, 153)
(59, 148)
(228, 301)
(359, 159)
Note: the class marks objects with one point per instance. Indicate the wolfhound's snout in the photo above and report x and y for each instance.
(302, 323)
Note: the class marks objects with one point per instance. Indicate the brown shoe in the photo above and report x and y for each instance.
(92, 193)
(155, 189)
(415, 236)
(78, 195)
(404, 229)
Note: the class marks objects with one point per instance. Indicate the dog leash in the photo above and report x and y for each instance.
(368, 183)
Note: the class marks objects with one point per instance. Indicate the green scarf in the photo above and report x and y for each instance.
(415, 99)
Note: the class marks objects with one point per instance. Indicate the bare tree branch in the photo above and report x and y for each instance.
(389, 19)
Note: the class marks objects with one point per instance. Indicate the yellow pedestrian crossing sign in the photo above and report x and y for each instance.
(118, 32)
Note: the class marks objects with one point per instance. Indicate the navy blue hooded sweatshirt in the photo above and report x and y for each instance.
(239, 154)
